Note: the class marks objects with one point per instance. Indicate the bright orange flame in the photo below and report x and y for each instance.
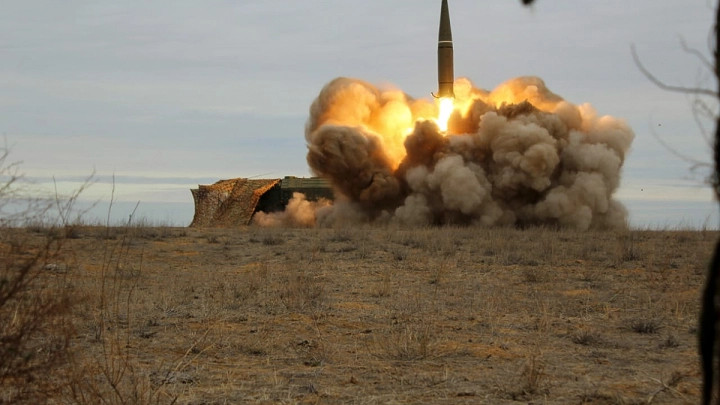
(446, 109)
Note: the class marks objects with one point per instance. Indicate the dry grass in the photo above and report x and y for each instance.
(378, 315)
(35, 305)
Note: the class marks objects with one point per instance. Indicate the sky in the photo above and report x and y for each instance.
(154, 98)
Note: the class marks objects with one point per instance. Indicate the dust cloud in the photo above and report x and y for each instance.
(299, 213)
(517, 155)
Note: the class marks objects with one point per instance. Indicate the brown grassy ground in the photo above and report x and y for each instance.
(381, 315)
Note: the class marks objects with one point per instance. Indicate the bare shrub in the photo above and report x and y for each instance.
(627, 249)
(531, 381)
(35, 329)
(110, 372)
(670, 342)
(384, 287)
(400, 254)
(302, 292)
(406, 341)
(586, 337)
(341, 235)
(534, 376)
(645, 326)
(272, 240)
(118, 378)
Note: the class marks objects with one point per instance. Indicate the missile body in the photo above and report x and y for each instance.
(446, 76)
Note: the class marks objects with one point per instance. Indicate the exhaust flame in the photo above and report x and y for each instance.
(518, 155)
(446, 109)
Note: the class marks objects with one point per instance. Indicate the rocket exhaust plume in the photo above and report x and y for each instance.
(446, 75)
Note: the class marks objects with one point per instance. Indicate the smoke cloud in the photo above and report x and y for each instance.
(299, 213)
(518, 155)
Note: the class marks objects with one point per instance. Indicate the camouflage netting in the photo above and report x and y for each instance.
(228, 203)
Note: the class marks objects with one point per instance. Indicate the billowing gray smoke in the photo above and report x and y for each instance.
(517, 155)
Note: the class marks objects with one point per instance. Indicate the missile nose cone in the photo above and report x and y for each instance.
(446, 75)
(445, 31)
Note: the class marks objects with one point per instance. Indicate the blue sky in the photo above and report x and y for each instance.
(168, 94)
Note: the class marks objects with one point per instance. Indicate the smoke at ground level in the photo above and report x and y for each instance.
(643, 214)
(516, 155)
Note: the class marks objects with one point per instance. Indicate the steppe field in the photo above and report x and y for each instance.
(368, 315)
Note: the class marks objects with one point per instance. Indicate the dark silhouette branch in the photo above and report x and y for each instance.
(702, 58)
(665, 86)
(701, 110)
(695, 163)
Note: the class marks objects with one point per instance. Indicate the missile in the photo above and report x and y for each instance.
(446, 76)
